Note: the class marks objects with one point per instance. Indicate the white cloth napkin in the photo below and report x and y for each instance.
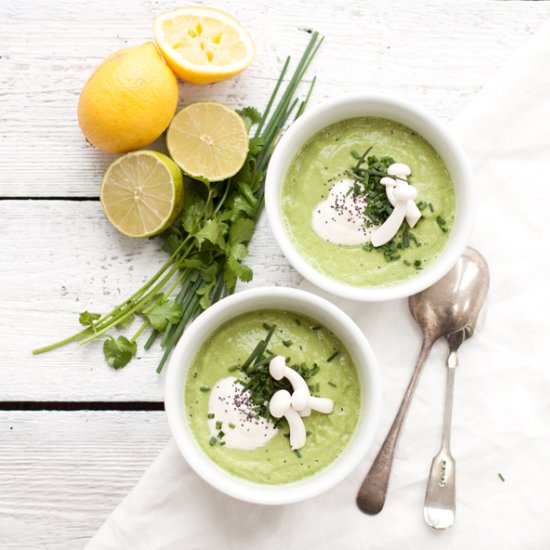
(502, 395)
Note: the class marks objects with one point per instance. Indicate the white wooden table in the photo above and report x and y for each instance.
(77, 435)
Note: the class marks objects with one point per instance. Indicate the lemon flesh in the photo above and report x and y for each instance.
(203, 45)
(142, 193)
(208, 140)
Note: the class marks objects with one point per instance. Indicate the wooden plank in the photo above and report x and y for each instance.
(433, 53)
(65, 258)
(62, 473)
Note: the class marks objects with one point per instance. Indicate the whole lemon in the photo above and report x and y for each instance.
(129, 100)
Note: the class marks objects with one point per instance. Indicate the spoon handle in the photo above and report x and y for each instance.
(372, 493)
(440, 500)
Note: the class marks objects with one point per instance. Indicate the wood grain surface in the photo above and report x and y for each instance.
(61, 473)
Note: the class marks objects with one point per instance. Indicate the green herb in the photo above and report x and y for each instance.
(287, 343)
(162, 312)
(315, 327)
(208, 242)
(210, 416)
(87, 319)
(406, 262)
(297, 453)
(118, 353)
(431, 207)
(418, 264)
(233, 368)
(442, 224)
(297, 321)
(333, 356)
(221, 435)
(501, 477)
(317, 387)
(218, 425)
(231, 426)
(422, 205)
(405, 239)
(204, 389)
(331, 383)
(267, 326)
(212, 441)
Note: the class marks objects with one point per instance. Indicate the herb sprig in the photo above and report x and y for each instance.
(208, 242)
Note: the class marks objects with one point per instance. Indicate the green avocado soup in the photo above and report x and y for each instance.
(325, 158)
(303, 341)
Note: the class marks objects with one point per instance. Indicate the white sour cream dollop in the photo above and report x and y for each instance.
(232, 407)
(341, 219)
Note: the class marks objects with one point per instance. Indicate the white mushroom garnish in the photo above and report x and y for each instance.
(279, 370)
(385, 233)
(402, 197)
(302, 399)
(280, 406)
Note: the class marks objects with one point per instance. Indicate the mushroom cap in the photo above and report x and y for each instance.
(405, 193)
(399, 169)
(300, 399)
(279, 403)
(277, 367)
(388, 181)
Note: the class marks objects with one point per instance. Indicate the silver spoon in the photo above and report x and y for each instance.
(449, 306)
(472, 285)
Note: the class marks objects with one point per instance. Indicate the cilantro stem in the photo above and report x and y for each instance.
(140, 330)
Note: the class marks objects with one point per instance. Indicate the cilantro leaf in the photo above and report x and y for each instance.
(212, 231)
(118, 353)
(241, 231)
(163, 312)
(250, 116)
(86, 319)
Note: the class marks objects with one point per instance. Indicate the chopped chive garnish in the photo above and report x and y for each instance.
(287, 436)
(442, 224)
(231, 426)
(266, 326)
(422, 205)
(431, 207)
(287, 343)
(212, 441)
(406, 262)
(317, 387)
(501, 477)
(297, 321)
(220, 435)
(222, 443)
(331, 383)
(233, 368)
(210, 415)
(297, 453)
(333, 356)
(315, 327)
(204, 388)
(406, 238)
(218, 425)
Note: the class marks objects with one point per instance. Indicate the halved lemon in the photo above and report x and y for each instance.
(208, 140)
(203, 45)
(142, 193)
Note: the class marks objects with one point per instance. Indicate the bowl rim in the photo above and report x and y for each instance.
(249, 491)
(463, 223)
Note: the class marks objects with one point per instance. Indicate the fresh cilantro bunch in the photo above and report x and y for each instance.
(207, 243)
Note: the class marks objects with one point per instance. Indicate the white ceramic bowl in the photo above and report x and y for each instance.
(300, 302)
(421, 122)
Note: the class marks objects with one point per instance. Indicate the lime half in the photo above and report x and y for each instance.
(208, 140)
(142, 193)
